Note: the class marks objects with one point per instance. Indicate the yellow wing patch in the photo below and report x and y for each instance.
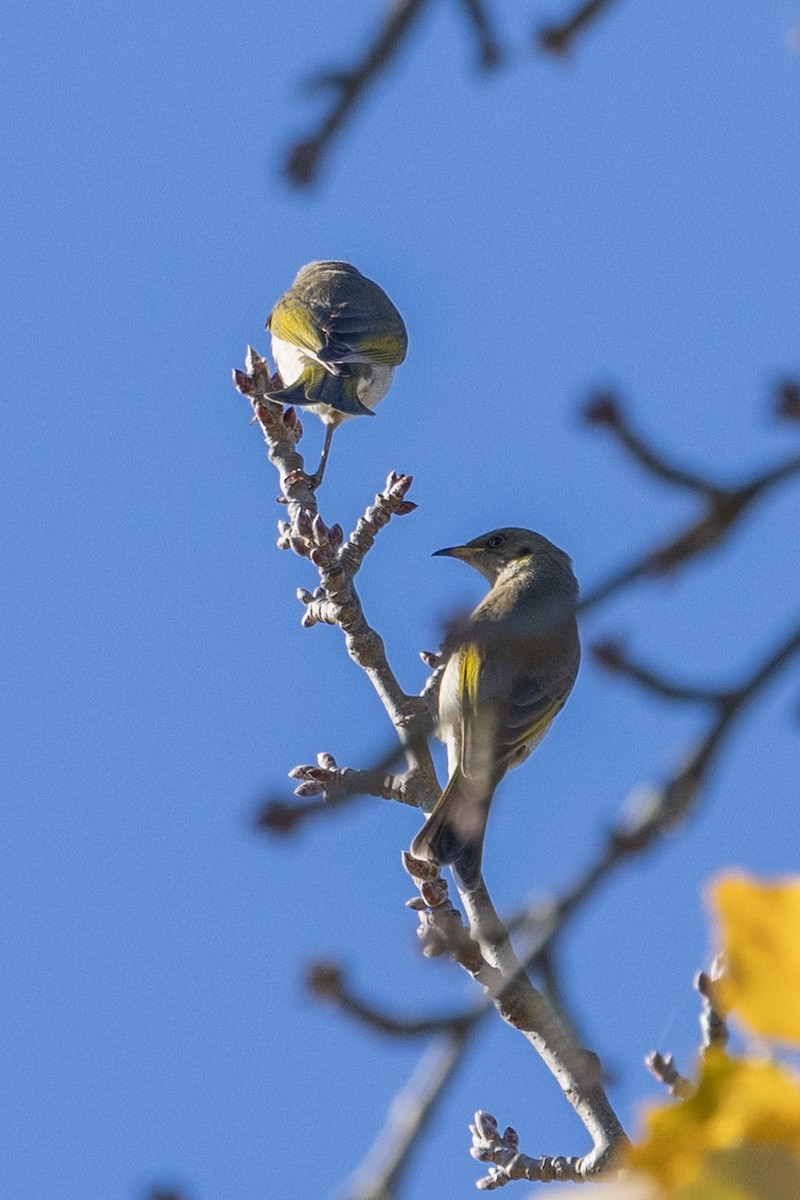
(296, 325)
(382, 349)
(469, 670)
(539, 726)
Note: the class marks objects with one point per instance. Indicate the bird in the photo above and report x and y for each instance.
(509, 668)
(336, 340)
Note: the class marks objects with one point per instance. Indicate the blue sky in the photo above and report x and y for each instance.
(627, 218)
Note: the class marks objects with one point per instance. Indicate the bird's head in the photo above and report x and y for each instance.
(494, 553)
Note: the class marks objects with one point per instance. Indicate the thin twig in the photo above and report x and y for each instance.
(336, 601)
(560, 39)
(489, 53)
(334, 788)
(304, 160)
(722, 506)
(713, 1026)
(664, 1070)
(328, 981)
(408, 1117)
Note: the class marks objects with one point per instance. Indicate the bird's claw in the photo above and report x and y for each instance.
(312, 482)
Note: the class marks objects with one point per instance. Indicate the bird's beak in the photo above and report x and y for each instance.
(463, 552)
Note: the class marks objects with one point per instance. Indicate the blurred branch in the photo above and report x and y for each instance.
(787, 400)
(560, 39)
(327, 981)
(713, 1025)
(489, 53)
(714, 1030)
(408, 1117)
(727, 702)
(660, 809)
(722, 506)
(664, 1070)
(612, 656)
(349, 87)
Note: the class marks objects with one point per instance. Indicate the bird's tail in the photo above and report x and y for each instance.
(318, 386)
(453, 834)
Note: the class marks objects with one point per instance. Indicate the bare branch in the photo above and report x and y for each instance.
(332, 787)
(560, 39)
(502, 1150)
(338, 784)
(614, 658)
(485, 951)
(489, 53)
(723, 506)
(328, 982)
(349, 87)
(408, 1118)
(787, 400)
(605, 410)
(336, 601)
(713, 1025)
(714, 1031)
(666, 1072)
(387, 504)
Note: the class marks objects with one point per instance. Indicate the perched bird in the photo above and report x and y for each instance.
(336, 340)
(510, 668)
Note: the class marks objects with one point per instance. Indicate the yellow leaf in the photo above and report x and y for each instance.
(760, 931)
(747, 1173)
(623, 1187)
(738, 1103)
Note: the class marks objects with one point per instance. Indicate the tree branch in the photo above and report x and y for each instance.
(442, 931)
(713, 1026)
(664, 1070)
(723, 506)
(409, 1116)
(349, 87)
(489, 53)
(560, 39)
(485, 951)
(327, 981)
(336, 601)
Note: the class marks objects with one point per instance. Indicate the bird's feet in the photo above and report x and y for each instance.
(312, 482)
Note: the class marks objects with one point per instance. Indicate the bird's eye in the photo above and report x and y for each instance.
(495, 541)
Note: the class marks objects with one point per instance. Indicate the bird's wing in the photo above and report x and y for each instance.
(297, 323)
(505, 707)
(535, 699)
(338, 330)
(356, 332)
